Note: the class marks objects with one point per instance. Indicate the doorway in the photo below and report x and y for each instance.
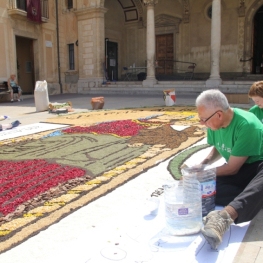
(111, 50)
(257, 66)
(25, 64)
(164, 54)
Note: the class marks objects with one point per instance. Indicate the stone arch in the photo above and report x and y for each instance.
(139, 6)
(133, 9)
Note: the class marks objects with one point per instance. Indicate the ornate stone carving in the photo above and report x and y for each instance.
(242, 8)
(150, 2)
(166, 21)
(139, 7)
(186, 11)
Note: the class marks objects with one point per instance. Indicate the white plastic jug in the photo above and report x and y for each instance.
(207, 178)
(183, 210)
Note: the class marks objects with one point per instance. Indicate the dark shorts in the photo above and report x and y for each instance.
(243, 191)
(16, 89)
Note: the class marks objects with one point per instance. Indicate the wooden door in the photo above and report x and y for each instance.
(164, 54)
(25, 64)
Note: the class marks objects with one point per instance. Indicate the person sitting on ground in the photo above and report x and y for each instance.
(256, 94)
(13, 87)
(239, 182)
(8, 126)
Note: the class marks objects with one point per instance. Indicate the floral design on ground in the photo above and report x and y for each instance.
(108, 156)
(21, 181)
(122, 128)
(166, 136)
(92, 154)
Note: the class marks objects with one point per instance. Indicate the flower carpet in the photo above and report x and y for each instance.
(46, 176)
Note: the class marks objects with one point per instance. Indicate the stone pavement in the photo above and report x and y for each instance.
(25, 111)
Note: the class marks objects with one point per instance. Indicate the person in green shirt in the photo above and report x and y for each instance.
(256, 94)
(237, 136)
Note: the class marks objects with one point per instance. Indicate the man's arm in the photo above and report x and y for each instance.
(232, 166)
(213, 156)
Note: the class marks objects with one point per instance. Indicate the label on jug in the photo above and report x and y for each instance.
(183, 211)
(208, 189)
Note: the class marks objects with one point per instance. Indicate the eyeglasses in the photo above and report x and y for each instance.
(205, 120)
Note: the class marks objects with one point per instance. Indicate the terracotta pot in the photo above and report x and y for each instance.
(97, 103)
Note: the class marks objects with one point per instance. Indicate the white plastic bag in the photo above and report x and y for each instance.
(41, 96)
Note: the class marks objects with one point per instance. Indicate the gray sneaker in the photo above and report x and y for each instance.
(216, 223)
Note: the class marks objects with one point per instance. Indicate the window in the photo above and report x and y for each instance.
(70, 4)
(21, 4)
(71, 56)
(209, 12)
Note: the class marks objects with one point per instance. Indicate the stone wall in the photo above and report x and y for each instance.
(89, 22)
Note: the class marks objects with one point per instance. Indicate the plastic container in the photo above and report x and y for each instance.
(183, 211)
(152, 205)
(41, 96)
(207, 179)
(169, 97)
(97, 103)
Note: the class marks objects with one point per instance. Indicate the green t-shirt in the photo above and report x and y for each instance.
(258, 112)
(242, 137)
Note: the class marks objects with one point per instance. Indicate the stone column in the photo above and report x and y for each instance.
(214, 80)
(91, 34)
(150, 44)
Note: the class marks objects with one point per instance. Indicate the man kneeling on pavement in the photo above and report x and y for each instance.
(236, 135)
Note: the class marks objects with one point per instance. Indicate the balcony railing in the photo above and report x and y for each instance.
(20, 5)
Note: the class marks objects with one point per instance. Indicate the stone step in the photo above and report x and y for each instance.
(253, 77)
(136, 87)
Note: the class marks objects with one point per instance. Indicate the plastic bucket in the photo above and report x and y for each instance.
(169, 97)
(97, 103)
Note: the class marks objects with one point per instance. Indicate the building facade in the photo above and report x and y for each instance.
(81, 44)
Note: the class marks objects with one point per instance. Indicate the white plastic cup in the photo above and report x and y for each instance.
(152, 205)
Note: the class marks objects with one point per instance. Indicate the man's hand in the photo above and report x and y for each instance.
(184, 165)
